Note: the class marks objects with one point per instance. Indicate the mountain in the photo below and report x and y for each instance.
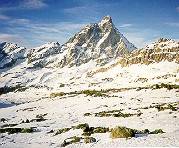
(39, 56)
(100, 42)
(43, 51)
(10, 54)
(161, 50)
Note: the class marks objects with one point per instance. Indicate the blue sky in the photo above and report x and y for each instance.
(31, 23)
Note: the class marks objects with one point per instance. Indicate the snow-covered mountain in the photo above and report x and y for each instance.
(90, 90)
(43, 51)
(10, 54)
(101, 42)
(43, 55)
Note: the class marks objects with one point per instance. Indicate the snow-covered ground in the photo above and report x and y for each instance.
(63, 112)
(68, 110)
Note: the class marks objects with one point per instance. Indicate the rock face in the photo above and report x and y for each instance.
(101, 42)
(10, 53)
(43, 51)
(161, 50)
(40, 56)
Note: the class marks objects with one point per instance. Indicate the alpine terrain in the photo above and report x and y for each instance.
(95, 90)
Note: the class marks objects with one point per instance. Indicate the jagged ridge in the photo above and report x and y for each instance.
(161, 50)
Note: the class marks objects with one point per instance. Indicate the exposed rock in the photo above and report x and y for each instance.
(122, 132)
(39, 56)
(101, 42)
(163, 49)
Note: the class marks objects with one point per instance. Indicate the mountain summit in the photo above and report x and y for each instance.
(100, 42)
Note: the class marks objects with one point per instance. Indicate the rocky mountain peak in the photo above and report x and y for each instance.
(92, 33)
(99, 41)
(106, 20)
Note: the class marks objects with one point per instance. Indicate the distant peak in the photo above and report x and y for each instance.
(163, 40)
(106, 19)
(8, 45)
(54, 43)
(48, 45)
(3, 43)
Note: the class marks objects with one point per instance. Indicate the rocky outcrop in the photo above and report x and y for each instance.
(163, 49)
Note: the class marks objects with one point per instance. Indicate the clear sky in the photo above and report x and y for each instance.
(31, 23)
